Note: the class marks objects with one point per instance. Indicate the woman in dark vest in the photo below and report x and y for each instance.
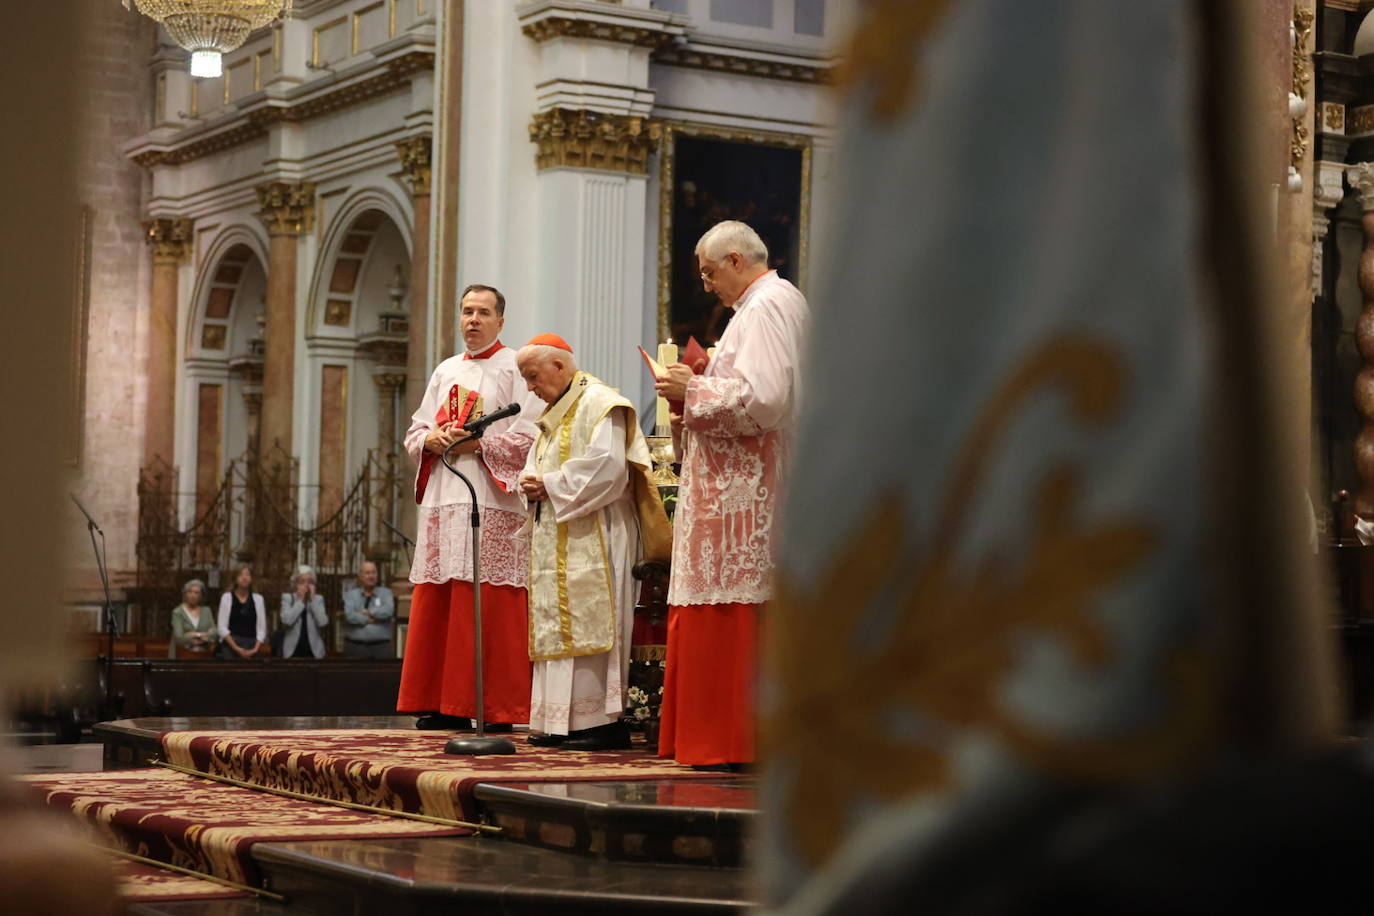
(242, 618)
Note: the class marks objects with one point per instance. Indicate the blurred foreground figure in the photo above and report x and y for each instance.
(1022, 659)
(46, 866)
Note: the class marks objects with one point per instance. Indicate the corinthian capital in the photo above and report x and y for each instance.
(415, 162)
(170, 239)
(593, 140)
(1361, 178)
(288, 207)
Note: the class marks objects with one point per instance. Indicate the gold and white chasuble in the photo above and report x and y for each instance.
(573, 594)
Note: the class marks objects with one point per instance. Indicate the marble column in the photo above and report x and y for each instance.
(593, 135)
(288, 210)
(1361, 177)
(594, 188)
(415, 162)
(170, 240)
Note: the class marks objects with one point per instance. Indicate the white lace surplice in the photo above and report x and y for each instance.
(739, 417)
(443, 537)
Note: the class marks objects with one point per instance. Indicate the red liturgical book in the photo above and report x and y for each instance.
(461, 406)
(694, 355)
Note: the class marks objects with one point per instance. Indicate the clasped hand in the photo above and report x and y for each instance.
(532, 485)
(440, 439)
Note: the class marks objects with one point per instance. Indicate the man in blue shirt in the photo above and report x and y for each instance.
(369, 611)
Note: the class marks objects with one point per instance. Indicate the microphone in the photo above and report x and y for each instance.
(479, 426)
(91, 521)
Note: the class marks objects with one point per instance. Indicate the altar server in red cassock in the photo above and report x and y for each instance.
(733, 437)
(437, 673)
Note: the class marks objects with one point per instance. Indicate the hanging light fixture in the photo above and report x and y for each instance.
(210, 28)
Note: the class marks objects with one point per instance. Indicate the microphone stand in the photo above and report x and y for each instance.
(406, 542)
(111, 626)
(481, 743)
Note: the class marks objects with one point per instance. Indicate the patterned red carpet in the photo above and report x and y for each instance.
(402, 769)
(141, 883)
(204, 825)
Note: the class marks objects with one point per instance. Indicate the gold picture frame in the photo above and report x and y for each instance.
(667, 187)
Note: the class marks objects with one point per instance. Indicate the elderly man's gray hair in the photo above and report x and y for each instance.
(301, 573)
(733, 235)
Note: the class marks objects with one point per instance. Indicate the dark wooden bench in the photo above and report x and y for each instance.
(269, 687)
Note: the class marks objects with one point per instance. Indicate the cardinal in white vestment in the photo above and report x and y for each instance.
(733, 438)
(591, 503)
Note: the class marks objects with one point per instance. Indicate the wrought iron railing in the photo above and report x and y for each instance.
(258, 516)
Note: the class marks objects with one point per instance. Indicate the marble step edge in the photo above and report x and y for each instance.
(312, 882)
(620, 832)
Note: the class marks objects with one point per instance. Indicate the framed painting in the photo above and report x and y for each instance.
(709, 174)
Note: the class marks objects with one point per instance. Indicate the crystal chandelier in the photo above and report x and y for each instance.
(210, 28)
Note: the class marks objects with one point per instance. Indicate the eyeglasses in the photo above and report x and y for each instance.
(708, 272)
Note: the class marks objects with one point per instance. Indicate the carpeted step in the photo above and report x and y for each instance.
(400, 769)
(203, 825)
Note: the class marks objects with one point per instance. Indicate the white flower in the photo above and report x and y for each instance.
(642, 712)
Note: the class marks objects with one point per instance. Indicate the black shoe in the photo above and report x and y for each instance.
(497, 728)
(612, 737)
(437, 721)
(546, 740)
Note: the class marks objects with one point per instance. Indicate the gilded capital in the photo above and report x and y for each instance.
(644, 35)
(170, 238)
(593, 140)
(288, 207)
(1361, 178)
(415, 162)
(387, 382)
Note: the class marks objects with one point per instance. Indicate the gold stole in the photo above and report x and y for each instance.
(572, 597)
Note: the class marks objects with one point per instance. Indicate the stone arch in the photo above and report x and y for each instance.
(356, 339)
(222, 368)
(347, 247)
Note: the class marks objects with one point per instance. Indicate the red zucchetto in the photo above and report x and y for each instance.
(549, 340)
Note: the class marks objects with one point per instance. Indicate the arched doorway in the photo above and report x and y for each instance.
(356, 345)
(224, 367)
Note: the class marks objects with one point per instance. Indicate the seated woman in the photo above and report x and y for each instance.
(294, 616)
(193, 626)
(242, 618)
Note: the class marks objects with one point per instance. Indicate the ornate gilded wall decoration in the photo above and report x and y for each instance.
(1302, 79)
(415, 154)
(1333, 117)
(170, 239)
(593, 140)
(288, 207)
(338, 312)
(1360, 120)
(212, 336)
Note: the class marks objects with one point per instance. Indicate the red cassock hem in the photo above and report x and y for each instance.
(709, 682)
(436, 674)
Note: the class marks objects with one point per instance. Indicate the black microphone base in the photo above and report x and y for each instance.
(474, 746)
